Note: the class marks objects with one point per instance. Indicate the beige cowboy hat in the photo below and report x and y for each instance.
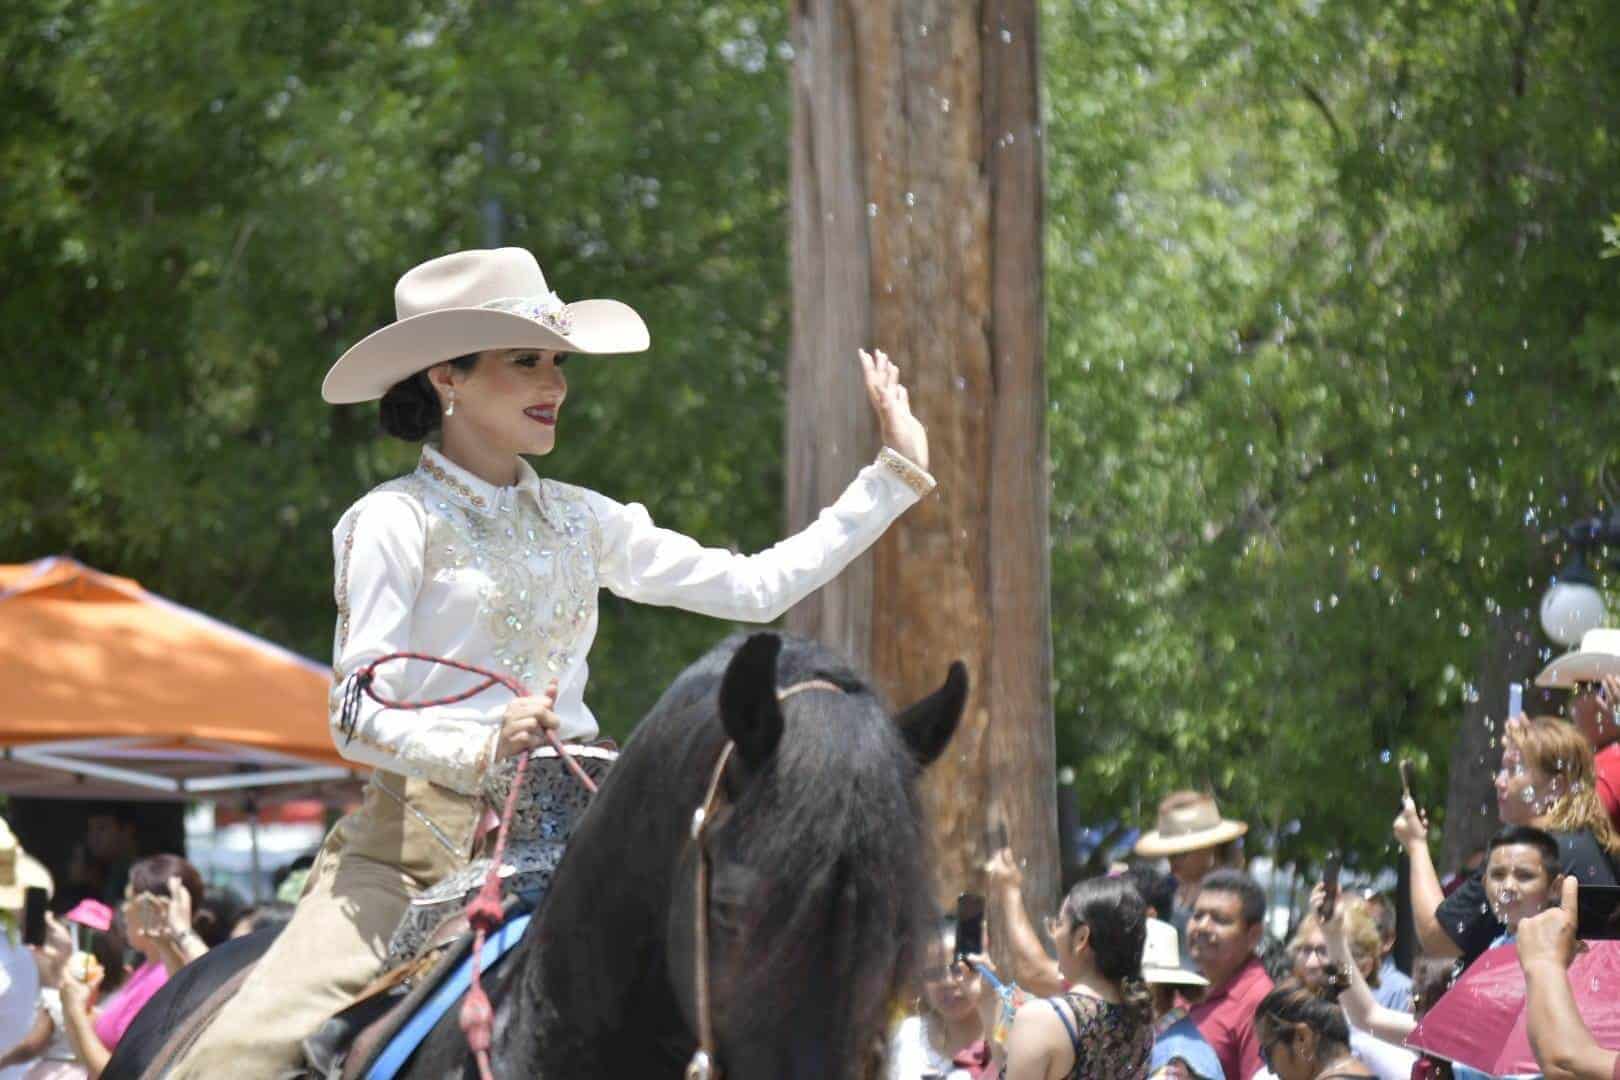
(19, 871)
(1188, 821)
(1161, 958)
(1599, 655)
(469, 301)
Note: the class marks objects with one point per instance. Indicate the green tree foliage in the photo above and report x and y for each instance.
(204, 204)
(1331, 340)
(1331, 344)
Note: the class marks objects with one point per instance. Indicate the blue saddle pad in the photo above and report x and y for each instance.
(410, 1036)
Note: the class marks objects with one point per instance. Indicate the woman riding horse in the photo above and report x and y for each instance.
(474, 558)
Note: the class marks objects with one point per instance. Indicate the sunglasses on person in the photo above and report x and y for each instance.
(944, 972)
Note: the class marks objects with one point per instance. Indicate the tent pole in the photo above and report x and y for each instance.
(253, 835)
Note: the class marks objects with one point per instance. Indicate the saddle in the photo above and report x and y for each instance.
(349, 1044)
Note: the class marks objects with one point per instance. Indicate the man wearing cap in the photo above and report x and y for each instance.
(19, 977)
(1179, 1050)
(1193, 836)
(1592, 675)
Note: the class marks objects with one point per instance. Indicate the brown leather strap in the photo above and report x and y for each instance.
(705, 1064)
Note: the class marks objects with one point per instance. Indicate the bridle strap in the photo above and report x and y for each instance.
(705, 1062)
(808, 684)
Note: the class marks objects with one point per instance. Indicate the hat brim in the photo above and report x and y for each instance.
(1578, 667)
(1154, 845)
(1157, 976)
(31, 873)
(399, 350)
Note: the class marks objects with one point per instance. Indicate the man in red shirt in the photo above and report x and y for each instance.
(1227, 924)
(1592, 675)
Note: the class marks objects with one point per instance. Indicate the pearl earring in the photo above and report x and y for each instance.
(450, 409)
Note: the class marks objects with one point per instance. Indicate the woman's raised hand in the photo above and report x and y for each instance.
(177, 912)
(1411, 825)
(526, 721)
(1332, 925)
(902, 432)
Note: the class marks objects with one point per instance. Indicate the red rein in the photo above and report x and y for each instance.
(484, 910)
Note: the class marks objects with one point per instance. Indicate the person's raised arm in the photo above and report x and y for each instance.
(1360, 1007)
(652, 565)
(1412, 831)
(1032, 966)
(1563, 1046)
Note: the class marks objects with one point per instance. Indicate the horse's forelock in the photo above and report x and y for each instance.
(833, 830)
(829, 832)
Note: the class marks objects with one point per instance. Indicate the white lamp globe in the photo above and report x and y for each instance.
(1569, 609)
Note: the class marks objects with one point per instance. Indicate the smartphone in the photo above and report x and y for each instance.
(1409, 780)
(1598, 917)
(998, 836)
(34, 901)
(1330, 885)
(969, 924)
(1515, 699)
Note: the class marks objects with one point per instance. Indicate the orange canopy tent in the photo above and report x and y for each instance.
(108, 690)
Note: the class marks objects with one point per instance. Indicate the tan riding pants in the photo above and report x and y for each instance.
(406, 836)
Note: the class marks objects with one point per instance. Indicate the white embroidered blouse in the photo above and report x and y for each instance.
(441, 562)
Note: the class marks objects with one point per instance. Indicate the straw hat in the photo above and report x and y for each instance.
(1599, 655)
(1188, 821)
(19, 871)
(470, 301)
(1161, 958)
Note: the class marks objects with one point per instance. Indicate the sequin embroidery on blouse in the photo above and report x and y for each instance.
(532, 564)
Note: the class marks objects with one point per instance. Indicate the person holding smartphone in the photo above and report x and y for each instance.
(19, 977)
(1592, 676)
(944, 1037)
(1546, 780)
(1103, 1025)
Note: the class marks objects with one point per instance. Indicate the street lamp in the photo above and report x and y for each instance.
(1572, 604)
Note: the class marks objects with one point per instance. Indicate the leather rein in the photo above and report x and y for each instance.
(705, 1061)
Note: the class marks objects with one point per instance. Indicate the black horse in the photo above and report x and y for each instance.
(819, 896)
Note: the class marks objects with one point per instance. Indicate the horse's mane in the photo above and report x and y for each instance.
(831, 908)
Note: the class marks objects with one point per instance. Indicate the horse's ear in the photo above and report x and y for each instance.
(928, 725)
(749, 710)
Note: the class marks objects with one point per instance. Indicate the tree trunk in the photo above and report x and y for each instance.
(917, 202)
(1508, 655)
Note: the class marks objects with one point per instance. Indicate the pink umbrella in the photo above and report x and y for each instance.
(91, 913)
(1482, 1020)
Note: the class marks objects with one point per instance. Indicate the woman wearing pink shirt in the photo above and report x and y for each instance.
(162, 893)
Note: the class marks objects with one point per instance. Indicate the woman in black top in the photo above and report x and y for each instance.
(1104, 1025)
(1548, 780)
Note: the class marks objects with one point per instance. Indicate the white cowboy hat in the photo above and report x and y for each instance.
(470, 301)
(18, 871)
(1161, 958)
(1188, 821)
(1599, 655)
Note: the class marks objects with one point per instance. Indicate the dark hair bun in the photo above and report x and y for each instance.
(410, 409)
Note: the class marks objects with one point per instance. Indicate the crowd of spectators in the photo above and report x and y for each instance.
(1144, 973)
